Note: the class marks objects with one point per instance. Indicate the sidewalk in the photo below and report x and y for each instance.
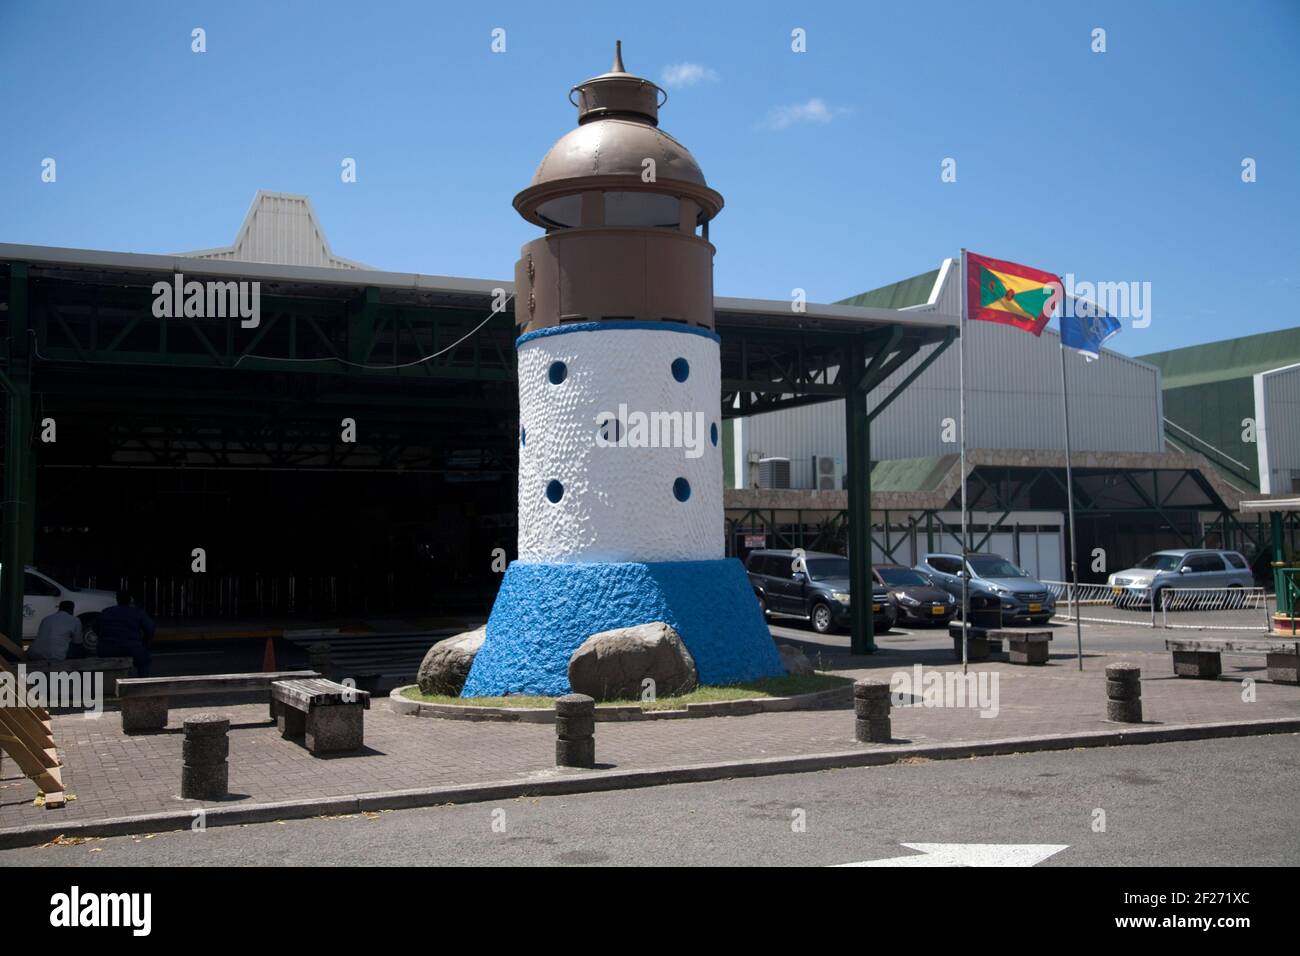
(113, 775)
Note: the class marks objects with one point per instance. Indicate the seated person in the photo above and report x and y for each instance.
(59, 636)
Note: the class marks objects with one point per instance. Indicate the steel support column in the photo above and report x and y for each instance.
(19, 477)
(858, 447)
(1279, 556)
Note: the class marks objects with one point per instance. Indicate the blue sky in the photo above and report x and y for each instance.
(1116, 166)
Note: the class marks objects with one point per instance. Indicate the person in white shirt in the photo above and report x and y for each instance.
(58, 637)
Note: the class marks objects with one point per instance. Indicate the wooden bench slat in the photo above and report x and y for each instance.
(79, 664)
(304, 694)
(203, 683)
(1231, 645)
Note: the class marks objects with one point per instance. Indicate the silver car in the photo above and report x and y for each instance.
(1181, 568)
(1021, 598)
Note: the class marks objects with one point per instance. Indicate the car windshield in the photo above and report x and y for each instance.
(821, 568)
(995, 567)
(1158, 562)
(904, 577)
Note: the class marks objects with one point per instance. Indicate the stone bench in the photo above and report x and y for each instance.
(328, 717)
(114, 669)
(1200, 657)
(145, 700)
(1023, 646)
(977, 643)
(1026, 647)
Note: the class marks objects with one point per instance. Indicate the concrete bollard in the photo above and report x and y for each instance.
(575, 731)
(205, 775)
(318, 658)
(1124, 693)
(871, 712)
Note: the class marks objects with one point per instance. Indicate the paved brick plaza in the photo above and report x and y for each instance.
(114, 775)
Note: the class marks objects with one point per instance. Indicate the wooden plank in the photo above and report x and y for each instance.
(1233, 645)
(40, 712)
(1012, 634)
(54, 798)
(10, 647)
(80, 665)
(203, 684)
(35, 732)
(45, 777)
(304, 694)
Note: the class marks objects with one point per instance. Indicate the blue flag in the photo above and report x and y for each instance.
(1085, 327)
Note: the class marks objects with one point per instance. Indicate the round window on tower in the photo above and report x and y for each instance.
(681, 369)
(681, 489)
(554, 491)
(557, 373)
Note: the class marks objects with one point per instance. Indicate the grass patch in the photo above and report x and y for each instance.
(786, 686)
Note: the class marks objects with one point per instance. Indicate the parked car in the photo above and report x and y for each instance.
(918, 598)
(42, 594)
(819, 594)
(1022, 599)
(1181, 568)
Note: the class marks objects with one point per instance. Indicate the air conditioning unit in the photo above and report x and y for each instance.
(828, 473)
(774, 473)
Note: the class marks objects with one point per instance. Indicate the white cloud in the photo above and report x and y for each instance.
(813, 111)
(688, 74)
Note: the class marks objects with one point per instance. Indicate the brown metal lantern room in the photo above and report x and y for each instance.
(626, 211)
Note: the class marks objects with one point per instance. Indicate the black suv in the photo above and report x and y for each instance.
(818, 593)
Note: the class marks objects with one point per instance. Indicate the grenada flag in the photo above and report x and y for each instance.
(998, 291)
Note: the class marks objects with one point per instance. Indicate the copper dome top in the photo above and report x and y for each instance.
(618, 117)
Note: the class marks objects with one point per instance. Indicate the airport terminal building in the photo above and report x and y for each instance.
(354, 453)
(1147, 476)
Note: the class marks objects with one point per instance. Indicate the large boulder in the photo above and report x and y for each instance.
(611, 665)
(795, 661)
(445, 667)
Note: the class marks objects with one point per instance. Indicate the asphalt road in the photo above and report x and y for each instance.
(1200, 803)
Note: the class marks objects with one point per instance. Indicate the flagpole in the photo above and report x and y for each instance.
(1069, 499)
(961, 411)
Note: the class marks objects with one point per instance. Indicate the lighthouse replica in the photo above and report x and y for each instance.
(620, 464)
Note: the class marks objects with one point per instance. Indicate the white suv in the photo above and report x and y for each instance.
(42, 594)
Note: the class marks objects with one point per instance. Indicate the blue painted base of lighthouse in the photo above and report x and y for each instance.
(544, 612)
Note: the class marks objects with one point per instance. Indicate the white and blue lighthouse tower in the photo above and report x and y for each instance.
(620, 459)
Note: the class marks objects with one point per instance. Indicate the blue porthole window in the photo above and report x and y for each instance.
(523, 436)
(681, 489)
(557, 373)
(681, 369)
(554, 491)
(713, 434)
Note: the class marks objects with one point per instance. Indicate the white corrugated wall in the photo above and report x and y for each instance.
(283, 229)
(1013, 400)
(1277, 414)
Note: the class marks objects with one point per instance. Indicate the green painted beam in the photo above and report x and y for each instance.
(18, 475)
(858, 445)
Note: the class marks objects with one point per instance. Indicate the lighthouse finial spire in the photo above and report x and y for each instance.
(618, 58)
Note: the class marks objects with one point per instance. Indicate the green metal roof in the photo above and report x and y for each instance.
(899, 295)
(1226, 360)
(910, 474)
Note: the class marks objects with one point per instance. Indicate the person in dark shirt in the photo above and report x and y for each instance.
(126, 631)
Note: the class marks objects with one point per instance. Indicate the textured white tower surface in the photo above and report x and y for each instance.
(619, 503)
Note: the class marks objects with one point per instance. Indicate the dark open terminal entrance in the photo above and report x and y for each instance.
(319, 472)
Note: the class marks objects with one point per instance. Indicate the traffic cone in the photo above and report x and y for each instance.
(268, 656)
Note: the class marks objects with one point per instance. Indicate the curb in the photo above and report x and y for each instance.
(561, 782)
(605, 713)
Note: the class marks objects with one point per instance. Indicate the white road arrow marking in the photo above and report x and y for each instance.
(971, 854)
